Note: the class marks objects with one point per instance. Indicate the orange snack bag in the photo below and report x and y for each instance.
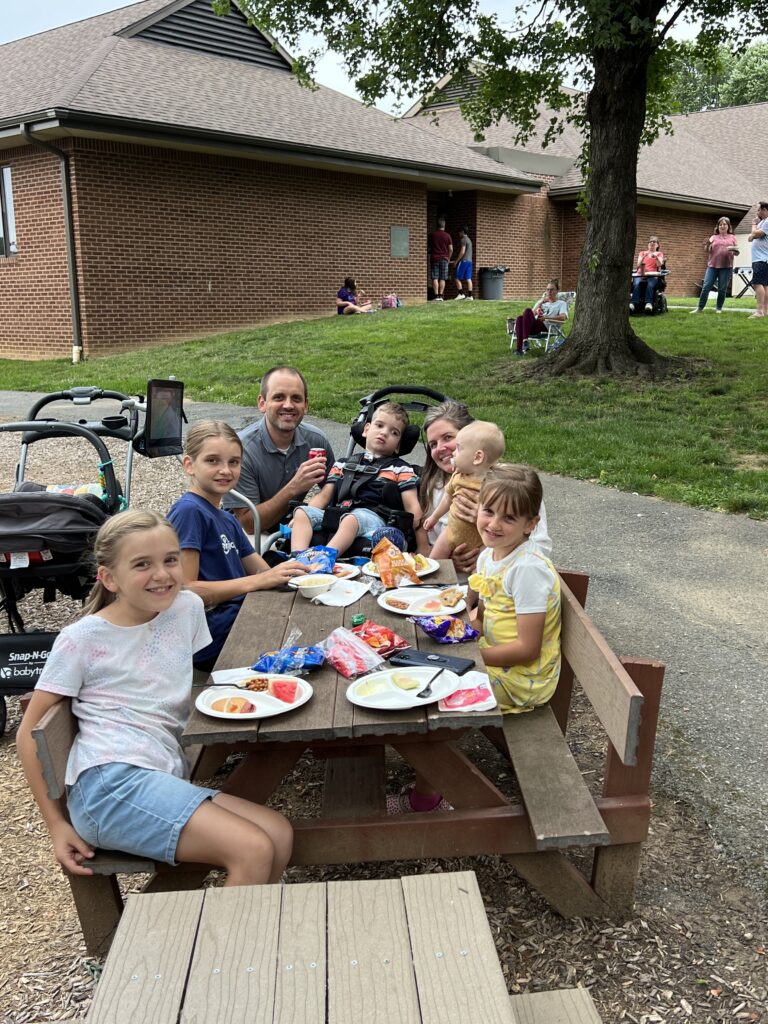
(392, 564)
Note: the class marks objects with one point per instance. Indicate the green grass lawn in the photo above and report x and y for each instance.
(702, 441)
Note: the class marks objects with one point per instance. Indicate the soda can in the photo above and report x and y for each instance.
(317, 453)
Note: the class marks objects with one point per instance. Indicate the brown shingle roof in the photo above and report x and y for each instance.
(85, 69)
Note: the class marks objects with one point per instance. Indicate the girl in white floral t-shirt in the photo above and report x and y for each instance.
(126, 666)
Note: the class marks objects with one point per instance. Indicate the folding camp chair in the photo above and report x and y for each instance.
(554, 336)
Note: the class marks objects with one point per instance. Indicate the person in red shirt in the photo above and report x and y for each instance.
(440, 252)
(650, 263)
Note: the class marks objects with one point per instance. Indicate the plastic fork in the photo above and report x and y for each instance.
(427, 691)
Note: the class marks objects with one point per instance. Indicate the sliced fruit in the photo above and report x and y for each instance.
(233, 705)
(284, 689)
(432, 604)
(405, 681)
(370, 687)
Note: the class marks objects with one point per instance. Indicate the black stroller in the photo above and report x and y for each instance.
(391, 511)
(46, 531)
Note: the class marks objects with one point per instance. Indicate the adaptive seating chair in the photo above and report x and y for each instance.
(659, 298)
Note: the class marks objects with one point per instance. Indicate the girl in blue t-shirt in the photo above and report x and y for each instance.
(219, 562)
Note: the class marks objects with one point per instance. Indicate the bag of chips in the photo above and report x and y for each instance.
(384, 641)
(446, 629)
(319, 558)
(350, 655)
(393, 565)
(295, 661)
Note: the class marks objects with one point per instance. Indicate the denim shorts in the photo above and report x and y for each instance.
(367, 521)
(135, 810)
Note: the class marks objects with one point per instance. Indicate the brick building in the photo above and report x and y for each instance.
(163, 176)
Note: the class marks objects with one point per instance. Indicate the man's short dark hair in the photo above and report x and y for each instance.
(441, 222)
(264, 389)
(465, 228)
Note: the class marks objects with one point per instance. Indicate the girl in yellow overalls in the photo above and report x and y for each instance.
(519, 592)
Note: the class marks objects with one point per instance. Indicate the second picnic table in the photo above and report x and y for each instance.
(352, 741)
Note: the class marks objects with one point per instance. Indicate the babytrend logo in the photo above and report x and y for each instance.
(5, 673)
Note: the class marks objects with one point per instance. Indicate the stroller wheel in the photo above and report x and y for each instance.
(3, 715)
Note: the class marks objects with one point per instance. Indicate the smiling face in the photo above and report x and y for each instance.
(383, 434)
(215, 469)
(284, 407)
(441, 443)
(145, 577)
(724, 226)
(501, 530)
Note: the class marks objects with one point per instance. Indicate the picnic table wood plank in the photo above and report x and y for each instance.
(232, 974)
(146, 971)
(454, 956)
(614, 696)
(451, 773)
(302, 963)
(54, 735)
(560, 806)
(370, 974)
(563, 1006)
(355, 784)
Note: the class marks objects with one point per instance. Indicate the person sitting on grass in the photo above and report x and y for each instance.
(534, 321)
(478, 446)
(382, 441)
(219, 562)
(519, 593)
(350, 300)
(126, 667)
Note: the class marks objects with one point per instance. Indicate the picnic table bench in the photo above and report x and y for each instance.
(556, 810)
(416, 950)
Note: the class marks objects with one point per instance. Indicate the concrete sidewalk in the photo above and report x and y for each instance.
(668, 582)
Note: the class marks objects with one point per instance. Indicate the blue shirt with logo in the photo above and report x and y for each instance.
(219, 539)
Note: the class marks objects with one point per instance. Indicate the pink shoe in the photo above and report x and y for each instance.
(402, 802)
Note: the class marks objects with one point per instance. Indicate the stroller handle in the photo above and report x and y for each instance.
(56, 428)
(405, 389)
(78, 396)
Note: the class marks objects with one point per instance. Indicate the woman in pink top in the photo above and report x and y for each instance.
(721, 248)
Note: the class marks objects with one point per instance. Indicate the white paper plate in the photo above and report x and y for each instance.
(370, 569)
(265, 704)
(390, 697)
(414, 599)
(344, 571)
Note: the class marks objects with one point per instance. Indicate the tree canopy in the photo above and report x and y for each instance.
(719, 78)
(617, 53)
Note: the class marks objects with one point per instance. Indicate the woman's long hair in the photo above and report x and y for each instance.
(457, 414)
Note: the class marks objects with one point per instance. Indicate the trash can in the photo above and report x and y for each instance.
(492, 282)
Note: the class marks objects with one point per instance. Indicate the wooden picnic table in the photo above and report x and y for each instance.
(352, 742)
(415, 950)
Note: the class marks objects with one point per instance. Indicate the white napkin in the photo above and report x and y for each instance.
(468, 682)
(342, 593)
(229, 676)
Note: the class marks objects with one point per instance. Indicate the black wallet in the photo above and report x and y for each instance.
(414, 658)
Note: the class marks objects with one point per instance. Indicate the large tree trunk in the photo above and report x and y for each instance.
(602, 340)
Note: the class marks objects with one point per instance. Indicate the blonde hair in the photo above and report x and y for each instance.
(204, 431)
(518, 488)
(106, 549)
(485, 435)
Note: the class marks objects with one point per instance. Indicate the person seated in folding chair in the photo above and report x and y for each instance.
(650, 263)
(535, 321)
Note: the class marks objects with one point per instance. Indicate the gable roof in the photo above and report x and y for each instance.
(110, 76)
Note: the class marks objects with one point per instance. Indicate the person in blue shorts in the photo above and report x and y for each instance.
(463, 273)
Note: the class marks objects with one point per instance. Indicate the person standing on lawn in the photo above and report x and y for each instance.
(759, 239)
(721, 248)
(464, 265)
(276, 467)
(440, 252)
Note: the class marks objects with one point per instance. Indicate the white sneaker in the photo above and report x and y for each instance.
(718, 311)
(697, 310)
(460, 296)
(470, 298)
(631, 307)
(648, 307)
(439, 298)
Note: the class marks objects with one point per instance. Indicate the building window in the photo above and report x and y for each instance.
(7, 219)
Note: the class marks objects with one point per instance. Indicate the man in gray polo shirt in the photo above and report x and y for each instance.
(276, 466)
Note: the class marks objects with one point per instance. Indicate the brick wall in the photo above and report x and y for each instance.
(523, 233)
(35, 320)
(176, 245)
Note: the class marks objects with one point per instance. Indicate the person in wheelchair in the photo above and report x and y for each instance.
(650, 263)
(362, 487)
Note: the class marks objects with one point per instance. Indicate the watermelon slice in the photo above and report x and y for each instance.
(284, 689)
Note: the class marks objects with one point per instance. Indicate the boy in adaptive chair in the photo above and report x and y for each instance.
(361, 491)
